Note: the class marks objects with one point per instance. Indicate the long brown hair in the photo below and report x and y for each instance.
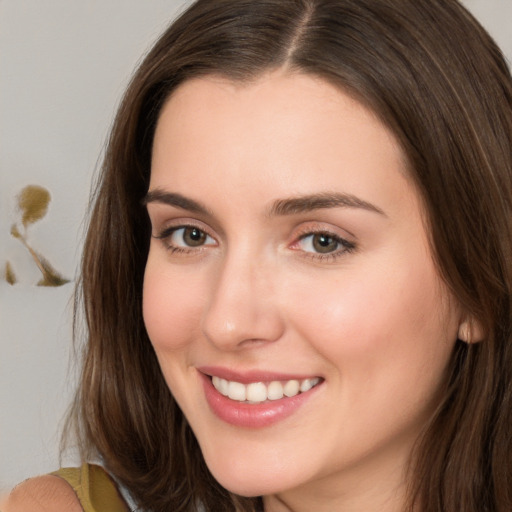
(439, 82)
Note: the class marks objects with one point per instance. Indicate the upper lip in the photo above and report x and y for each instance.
(254, 375)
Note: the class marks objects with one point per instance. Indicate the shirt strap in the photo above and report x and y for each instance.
(94, 488)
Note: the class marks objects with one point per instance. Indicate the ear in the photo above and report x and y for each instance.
(470, 330)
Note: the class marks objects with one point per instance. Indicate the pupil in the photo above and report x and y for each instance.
(194, 236)
(324, 243)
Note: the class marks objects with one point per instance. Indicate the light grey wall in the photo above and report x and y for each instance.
(64, 64)
(496, 17)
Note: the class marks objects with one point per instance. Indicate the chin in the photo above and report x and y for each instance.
(247, 487)
(242, 478)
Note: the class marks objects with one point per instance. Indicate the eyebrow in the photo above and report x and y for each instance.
(304, 204)
(280, 207)
(174, 199)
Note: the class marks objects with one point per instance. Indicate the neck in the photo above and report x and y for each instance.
(376, 486)
(373, 500)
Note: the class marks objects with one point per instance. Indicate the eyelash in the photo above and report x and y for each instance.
(167, 233)
(344, 246)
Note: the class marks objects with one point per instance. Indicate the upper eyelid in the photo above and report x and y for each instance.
(167, 233)
(162, 217)
(197, 215)
(344, 237)
(304, 229)
(181, 223)
(316, 227)
(322, 232)
(342, 240)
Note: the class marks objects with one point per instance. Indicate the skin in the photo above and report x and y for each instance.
(371, 318)
(41, 494)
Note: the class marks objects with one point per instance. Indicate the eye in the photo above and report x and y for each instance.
(320, 242)
(189, 237)
(182, 238)
(324, 243)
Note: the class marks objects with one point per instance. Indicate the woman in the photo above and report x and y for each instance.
(297, 277)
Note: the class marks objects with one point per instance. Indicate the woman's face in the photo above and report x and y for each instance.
(288, 253)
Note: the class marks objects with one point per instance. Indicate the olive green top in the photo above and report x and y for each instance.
(94, 488)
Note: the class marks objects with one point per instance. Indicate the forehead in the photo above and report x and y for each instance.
(289, 90)
(280, 107)
(283, 134)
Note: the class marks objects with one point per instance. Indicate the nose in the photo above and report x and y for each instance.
(242, 309)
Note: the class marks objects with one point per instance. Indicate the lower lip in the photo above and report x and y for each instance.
(246, 415)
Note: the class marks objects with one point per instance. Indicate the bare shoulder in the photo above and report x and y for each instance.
(42, 494)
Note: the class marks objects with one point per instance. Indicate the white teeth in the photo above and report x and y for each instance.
(224, 386)
(275, 390)
(307, 384)
(291, 388)
(221, 385)
(236, 391)
(258, 392)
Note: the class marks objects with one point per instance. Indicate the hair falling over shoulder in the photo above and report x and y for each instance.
(439, 82)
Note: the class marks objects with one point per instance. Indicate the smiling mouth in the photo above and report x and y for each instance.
(259, 392)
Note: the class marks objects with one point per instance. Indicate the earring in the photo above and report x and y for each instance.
(471, 331)
(464, 333)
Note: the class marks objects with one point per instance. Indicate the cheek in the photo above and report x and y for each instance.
(386, 338)
(171, 305)
(374, 318)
